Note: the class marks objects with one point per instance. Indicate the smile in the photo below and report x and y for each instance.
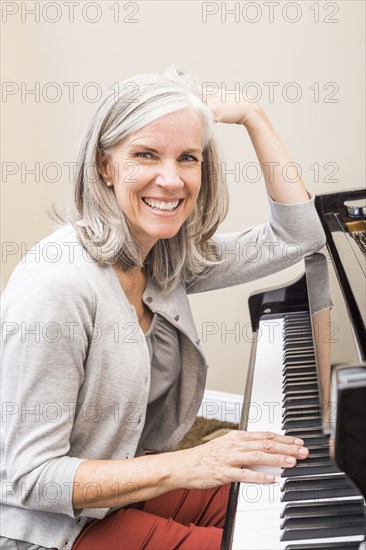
(162, 205)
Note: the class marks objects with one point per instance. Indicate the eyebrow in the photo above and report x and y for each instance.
(152, 150)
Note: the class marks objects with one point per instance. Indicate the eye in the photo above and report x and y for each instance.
(142, 153)
(190, 158)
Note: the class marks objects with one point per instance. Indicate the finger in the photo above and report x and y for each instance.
(275, 447)
(246, 475)
(260, 458)
(251, 476)
(270, 436)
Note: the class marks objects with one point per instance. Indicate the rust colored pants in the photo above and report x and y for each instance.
(185, 519)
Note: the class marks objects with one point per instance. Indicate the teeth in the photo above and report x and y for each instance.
(159, 205)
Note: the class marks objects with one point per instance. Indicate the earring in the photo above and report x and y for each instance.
(109, 183)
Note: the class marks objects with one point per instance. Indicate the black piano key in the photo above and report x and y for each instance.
(292, 358)
(301, 393)
(303, 407)
(315, 459)
(290, 367)
(310, 469)
(304, 432)
(307, 345)
(301, 342)
(306, 421)
(296, 316)
(304, 321)
(294, 373)
(318, 509)
(299, 377)
(300, 400)
(345, 528)
(293, 414)
(300, 338)
(293, 334)
(316, 433)
(321, 452)
(298, 368)
(297, 356)
(296, 330)
(310, 438)
(317, 488)
(300, 412)
(304, 325)
(322, 522)
(298, 386)
(322, 439)
(325, 546)
(301, 353)
(324, 446)
(297, 374)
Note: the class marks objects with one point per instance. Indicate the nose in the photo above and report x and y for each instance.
(169, 176)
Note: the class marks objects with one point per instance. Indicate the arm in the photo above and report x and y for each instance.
(293, 230)
(223, 460)
(42, 372)
(282, 182)
(269, 149)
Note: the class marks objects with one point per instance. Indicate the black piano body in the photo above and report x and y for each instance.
(335, 428)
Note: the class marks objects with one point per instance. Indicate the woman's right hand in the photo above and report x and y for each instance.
(233, 456)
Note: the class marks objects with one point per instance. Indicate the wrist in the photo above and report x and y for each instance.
(253, 117)
(169, 470)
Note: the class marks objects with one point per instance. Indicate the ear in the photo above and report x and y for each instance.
(104, 169)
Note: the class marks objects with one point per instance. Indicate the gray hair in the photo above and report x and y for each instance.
(98, 220)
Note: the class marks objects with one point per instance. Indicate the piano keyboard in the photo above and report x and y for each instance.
(313, 505)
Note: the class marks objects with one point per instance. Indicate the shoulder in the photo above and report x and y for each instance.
(56, 267)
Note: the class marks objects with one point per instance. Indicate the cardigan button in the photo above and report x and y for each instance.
(149, 299)
(176, 318)
(198, 342)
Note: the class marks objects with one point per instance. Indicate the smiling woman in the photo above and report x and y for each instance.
(127, 376)
(156, 144)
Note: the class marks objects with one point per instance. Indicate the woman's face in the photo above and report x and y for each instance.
(156, 173)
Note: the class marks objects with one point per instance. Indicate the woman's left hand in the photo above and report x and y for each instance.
(225, 109)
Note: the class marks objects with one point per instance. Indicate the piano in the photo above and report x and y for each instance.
(307, 377)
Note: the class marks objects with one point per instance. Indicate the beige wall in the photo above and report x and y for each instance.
(320, 52)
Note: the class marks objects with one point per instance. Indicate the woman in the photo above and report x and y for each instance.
(102, 362)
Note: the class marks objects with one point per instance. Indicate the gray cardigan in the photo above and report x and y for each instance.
(76, 368)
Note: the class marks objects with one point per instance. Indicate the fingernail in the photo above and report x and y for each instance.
(290, 460)
(299, 441)
(269, 477)
(303, 451)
